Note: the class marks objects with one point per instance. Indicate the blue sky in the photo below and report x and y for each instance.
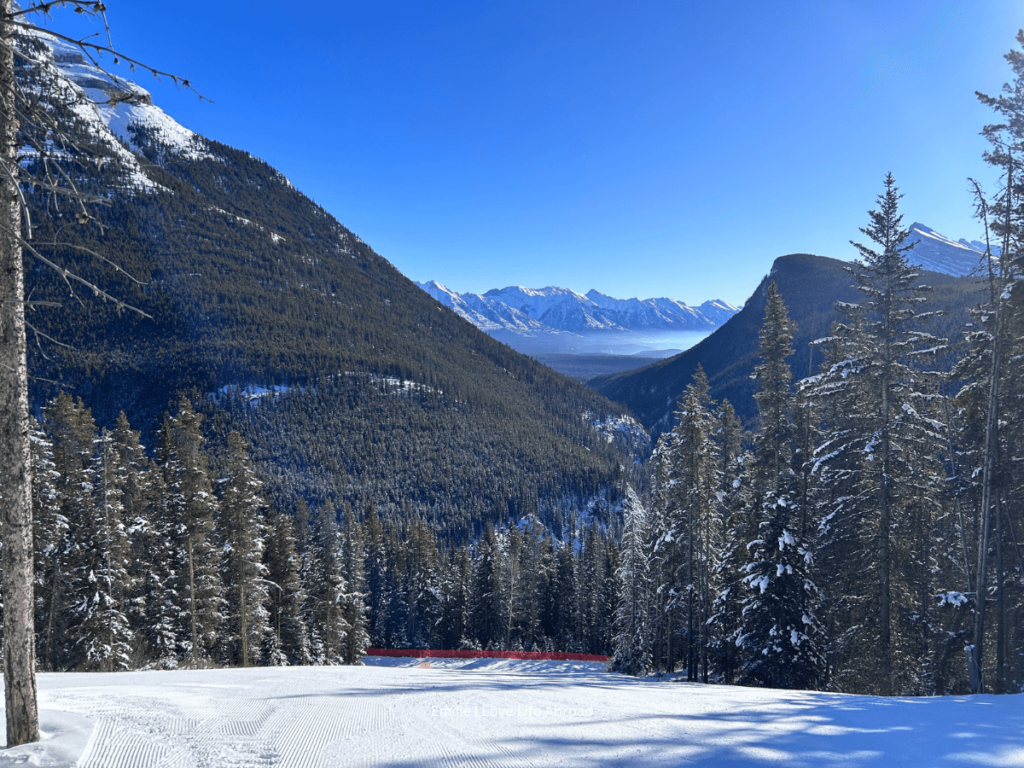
(640, 148)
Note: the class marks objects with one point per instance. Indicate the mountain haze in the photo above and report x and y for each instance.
(559, 320)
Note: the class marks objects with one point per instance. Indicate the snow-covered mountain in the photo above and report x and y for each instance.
(118, 114)
(940, 254)
(553, 310)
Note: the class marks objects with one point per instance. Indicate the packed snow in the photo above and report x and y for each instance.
(496, 712)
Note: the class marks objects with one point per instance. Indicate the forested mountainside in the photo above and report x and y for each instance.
(811, 286)
(381, 395)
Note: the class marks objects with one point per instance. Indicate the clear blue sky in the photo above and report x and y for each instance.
(640, 148)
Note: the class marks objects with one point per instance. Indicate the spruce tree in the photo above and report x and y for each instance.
(631, 643)
(287, 596)
(885, 448)
(326, 587)
(243, 527)
(99, 573)
(486, 619)
(72, 432)
(353, 560)
(780, 637)
(191, 588)
(691, 476)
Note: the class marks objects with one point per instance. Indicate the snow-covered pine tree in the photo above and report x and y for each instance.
(139, 500)
(99, 574)
(738, 528)
(191, 587)
(594, 576)
(881, 448)
(997, 359)
(632, 642)
(780, 636)
(72, 432)
(245, 577)
(325, 589)
(287, 596)
(419, 585)
(565, 600)
(50, 530)
(692, 516)
(353, 560)
(486, 617)
(379, 594)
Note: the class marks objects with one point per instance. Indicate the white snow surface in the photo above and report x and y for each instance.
(497, 712)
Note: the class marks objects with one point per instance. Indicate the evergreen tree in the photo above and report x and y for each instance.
(631, 644)
(72, 432)
(287, 596)
(737, 525)
(887, 442)
(245, 577)
(354, 610)
(99, 573)
(692, 520)
(191, 588)
(780, 636)
(325, 587)
(50, 535)
(487, 625)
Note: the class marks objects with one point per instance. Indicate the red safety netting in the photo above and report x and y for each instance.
(530, 655)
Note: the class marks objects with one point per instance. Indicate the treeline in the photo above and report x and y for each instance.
(867, 537)
(178, 560)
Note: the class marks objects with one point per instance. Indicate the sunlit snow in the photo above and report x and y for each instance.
(394, 712)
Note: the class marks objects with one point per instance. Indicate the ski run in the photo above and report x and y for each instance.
(496, 712)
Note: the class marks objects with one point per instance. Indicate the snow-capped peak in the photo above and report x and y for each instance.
(941, 254)
(116, 110)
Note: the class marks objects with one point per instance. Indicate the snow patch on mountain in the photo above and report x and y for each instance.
(624, 431)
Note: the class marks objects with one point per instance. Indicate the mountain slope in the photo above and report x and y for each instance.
(383, 397)
(810, 286)
(938, 253)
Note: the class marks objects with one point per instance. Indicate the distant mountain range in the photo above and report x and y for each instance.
(552, 318)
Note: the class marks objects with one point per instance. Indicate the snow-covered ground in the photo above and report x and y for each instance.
(490, 712)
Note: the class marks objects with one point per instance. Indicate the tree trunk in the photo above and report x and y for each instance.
(1000, 605)
(192, 604)
(15, 471)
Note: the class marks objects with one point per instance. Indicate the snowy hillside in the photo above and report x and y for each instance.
(559, 310)
(496, 712)
(114, 110)
(940, 254)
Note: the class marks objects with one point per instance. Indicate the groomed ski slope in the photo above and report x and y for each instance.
(491, 712)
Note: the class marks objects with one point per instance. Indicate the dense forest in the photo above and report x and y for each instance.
(177, 559)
